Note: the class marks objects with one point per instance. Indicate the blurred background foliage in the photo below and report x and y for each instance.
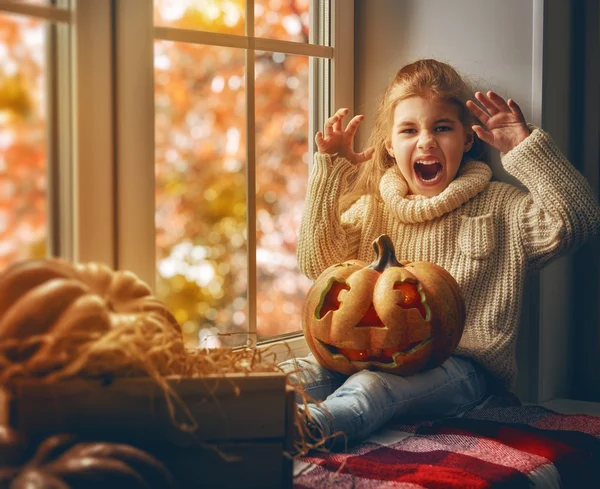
(23, 138)
(200, 164)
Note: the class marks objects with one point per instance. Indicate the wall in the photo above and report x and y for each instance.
(585, 154)
(519, 48)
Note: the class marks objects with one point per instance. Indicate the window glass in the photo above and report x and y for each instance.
(23, 139)
(224, 16)
(201, 190)
(281, 181)
(285, 20)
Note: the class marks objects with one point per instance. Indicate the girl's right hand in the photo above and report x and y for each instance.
(338, 142)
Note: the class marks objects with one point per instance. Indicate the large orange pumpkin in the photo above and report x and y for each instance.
(48, 307)
(390, 316)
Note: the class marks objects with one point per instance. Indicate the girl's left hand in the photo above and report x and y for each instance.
(506, 126)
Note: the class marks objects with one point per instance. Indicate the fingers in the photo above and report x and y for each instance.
(492, 102)
(515, 109)
(498, 101)
(337, 126)
(319, 139)
(483, 134)
(352, 126)
(487, 102)
(334, 123)
(365, 155)
(477, 111)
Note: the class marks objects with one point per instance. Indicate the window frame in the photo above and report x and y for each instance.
(104, 112)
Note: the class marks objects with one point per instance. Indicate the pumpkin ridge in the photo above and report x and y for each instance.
(62, 461)
(140, 461)
(20, 277)
(74, 470)
(97, 276)
(30, 313)
(83, 320)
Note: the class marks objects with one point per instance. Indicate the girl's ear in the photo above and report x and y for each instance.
(388, 147)
(469, 139)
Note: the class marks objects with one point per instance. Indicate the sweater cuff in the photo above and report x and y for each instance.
(325, 166)
(536, 151)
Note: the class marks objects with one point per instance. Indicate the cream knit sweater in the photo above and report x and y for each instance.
(486, 234)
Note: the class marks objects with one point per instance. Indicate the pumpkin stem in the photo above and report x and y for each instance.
(386, 256)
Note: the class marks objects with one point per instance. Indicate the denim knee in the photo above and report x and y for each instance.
(306, 369)
(316, 381)
(292, 368)
(369, 388)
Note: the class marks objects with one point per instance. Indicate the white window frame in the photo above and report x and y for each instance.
(102, 175)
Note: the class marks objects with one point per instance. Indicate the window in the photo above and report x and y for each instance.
(23, 138)
(74, 141)
(212, 130)
(183, 134)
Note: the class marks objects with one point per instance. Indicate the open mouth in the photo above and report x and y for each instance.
(428, 171)
(384, 357)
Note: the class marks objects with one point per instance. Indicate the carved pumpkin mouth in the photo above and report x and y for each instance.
(385, 356)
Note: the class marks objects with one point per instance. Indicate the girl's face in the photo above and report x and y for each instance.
(428, 141)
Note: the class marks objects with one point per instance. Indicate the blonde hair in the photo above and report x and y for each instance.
(428, 78)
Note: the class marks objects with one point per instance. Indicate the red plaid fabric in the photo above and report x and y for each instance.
(497, 445)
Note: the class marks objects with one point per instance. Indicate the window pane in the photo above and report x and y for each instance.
(281, 181)
(225, 16)
(23, 139)
(285, 20)
(201, 190)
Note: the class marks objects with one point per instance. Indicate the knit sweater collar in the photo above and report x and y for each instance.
(472, 178)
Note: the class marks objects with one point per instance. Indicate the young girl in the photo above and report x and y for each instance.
(421, 183)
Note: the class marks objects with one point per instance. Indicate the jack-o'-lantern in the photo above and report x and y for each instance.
(396, 317)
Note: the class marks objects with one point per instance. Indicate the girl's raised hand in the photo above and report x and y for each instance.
(338, 142)
(506, 126)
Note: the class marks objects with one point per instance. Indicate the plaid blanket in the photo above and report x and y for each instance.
(500, 444)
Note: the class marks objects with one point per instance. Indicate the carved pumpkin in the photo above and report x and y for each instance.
(395, 317)
(65, 305)
(61, 462)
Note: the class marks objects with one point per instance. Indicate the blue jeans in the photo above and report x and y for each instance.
(362, 403)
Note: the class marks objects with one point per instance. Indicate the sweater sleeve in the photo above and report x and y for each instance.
(326, 238)
(560, 211)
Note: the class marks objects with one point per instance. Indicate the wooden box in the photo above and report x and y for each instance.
(247, 417)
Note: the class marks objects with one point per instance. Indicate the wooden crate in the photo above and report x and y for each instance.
(249, 417)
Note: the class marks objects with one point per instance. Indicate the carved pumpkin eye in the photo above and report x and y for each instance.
(412, 298)
(329, 300)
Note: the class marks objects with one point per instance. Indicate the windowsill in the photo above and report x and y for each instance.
(281, 350)
(570, 406)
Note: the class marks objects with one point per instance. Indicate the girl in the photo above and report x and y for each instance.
(421, 183)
